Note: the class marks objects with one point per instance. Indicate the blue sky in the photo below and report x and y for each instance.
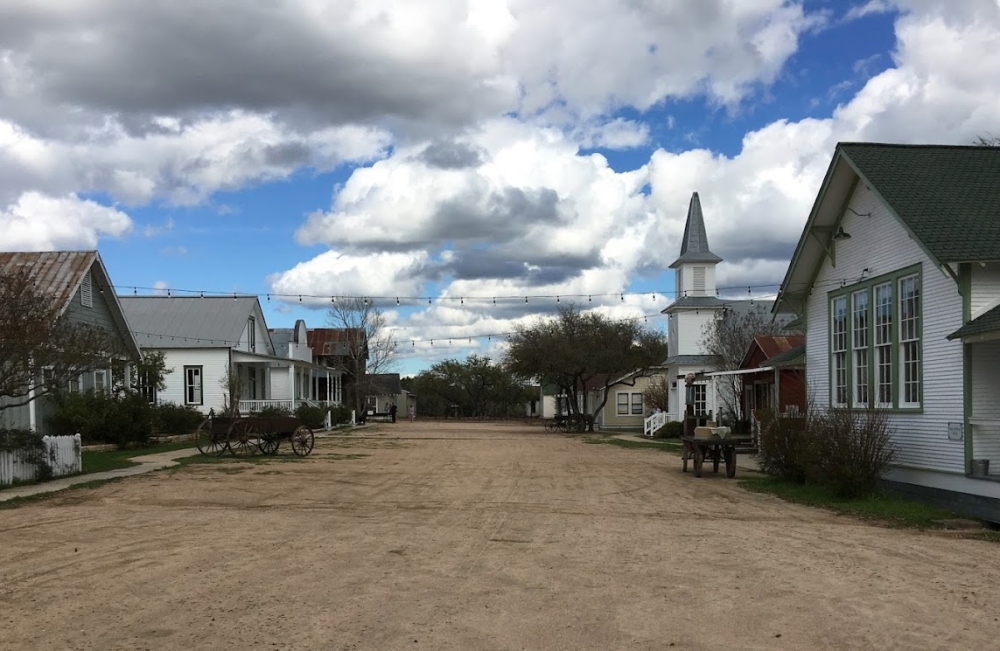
(476, 148)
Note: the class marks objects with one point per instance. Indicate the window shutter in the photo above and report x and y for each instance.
(87, 291)
(699, 281)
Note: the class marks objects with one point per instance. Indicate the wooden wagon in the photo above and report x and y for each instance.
(245, 436)
(717, 450)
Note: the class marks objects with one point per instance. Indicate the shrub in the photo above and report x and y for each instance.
(170, 418)
(125, 420)
(786, 447)
(312, 417)
(340, 415)
(33, 450)
(853, 451)
(672, 430)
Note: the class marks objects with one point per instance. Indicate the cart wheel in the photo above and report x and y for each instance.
(731, 461)
(244, 439)
(269, 443)
(550, 426)
(302, 441)
(209, 444)
(699, 458)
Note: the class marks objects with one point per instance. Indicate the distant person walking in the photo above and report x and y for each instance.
(392, 411)
(412, 413)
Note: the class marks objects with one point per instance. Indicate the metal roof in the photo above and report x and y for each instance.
(385, 384)
(59, 274)
(332, 341)
(694, 246)
(189, 321)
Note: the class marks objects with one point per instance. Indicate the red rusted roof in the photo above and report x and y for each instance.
(771, 345)
(55, 273)
(332, 341)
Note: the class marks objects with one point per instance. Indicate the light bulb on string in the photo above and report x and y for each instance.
(397, 301)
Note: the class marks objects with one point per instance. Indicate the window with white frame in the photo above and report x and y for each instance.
(883, 344)
(909, 341)
(877, 323)
(636, 404)
(860, 340)
(700, 395)
(100, 381)
(76, 384)
(838, 349)
(622, 402)
(192, 386)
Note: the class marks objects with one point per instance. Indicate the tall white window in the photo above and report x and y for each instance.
(192, 385)
(909, 340)
(637, 404)
(860, 339)
(100, 381)
(883, 344)
(838, 349)
(700, 393)
(622, 404)
(252, 335)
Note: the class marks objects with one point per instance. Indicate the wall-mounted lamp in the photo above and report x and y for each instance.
(841, 234)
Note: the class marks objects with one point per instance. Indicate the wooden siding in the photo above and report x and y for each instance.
(985, 406)
(691, 330)
(611, 419)
(98, 315)
(985, 287)
(213, 361)
(14, 417)
(880, 244)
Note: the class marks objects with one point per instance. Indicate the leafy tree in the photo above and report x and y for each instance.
(370, 346)
(728, 338)
(39, 348)
(146, 376)
(474, 387)
(577, 350)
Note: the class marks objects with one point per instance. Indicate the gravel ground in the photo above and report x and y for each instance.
(474, 536)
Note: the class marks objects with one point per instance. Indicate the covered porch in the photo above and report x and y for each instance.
(981, 339)
(284, 383)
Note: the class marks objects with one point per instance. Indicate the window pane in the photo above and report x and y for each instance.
(622, 404)
(636, 403)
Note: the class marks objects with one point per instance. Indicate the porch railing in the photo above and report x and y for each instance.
(653, 423)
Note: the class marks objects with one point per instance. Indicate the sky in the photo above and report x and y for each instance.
(469, 165)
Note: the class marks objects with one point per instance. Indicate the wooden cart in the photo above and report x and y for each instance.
(247, 435)
(716, 450)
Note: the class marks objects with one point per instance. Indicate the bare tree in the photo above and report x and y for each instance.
(40, 351)
(370, 347)
(987, 140)
(232, 391)
(657, 393)
(728, 338)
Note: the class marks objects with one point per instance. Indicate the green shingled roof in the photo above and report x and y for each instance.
(949, 197)
(987, 322)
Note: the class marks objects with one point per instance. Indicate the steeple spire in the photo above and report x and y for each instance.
(694, 247)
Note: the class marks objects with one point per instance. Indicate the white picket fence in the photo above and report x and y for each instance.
(62, 452)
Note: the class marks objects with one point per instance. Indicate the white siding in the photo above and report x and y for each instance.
(985, 287)
(685, 280)
(281, 383)
(213, 361)
(691, 330)
(880, 244)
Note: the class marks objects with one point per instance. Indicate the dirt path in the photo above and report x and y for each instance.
(463, 536)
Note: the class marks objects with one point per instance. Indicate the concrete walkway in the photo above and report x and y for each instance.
(147, 463)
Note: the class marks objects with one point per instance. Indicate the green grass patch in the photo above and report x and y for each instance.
(881, 508)
(989, 536)
(115, 459)
(654, 444)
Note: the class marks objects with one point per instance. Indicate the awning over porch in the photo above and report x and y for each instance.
(984, 327)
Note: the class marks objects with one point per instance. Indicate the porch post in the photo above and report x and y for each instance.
(32, 415)
(777, 390)
(715, 407)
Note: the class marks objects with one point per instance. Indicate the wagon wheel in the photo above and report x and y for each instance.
(730, 461)
(244, 439)
(716, 458)
(550, 426)
(209, 443)
(699, 458)
(269, 443)
(302, 441)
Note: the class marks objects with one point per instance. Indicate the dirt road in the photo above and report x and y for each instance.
(470, 537)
